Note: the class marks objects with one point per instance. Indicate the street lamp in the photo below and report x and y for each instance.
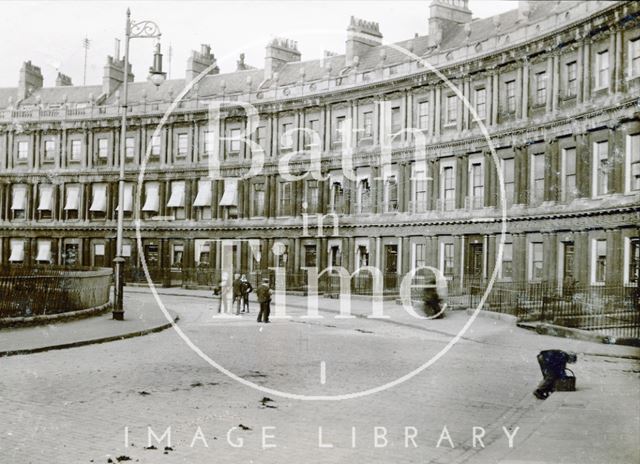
(132, 30)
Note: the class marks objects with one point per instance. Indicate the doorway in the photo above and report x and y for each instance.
(390, 267)
(474, 269)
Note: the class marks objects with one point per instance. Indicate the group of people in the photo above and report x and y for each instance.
(240, 289)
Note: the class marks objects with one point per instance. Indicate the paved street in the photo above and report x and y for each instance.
(73, 406)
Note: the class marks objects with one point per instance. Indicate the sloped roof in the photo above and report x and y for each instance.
(72, 94)
(291, 73)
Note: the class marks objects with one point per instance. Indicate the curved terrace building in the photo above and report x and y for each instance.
(556, 84)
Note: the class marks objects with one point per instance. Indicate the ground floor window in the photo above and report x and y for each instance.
(536, 261)
(310, 256)
(599, 261)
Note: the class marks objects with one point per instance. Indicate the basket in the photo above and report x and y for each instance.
(567, 383)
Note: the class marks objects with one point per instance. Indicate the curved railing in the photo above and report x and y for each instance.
(41, 291)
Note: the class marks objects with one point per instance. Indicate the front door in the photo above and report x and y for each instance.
(475, 262)
(152, 259)
(568, 270)
(390, 267)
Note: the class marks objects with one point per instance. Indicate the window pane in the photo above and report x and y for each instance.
(510, 87)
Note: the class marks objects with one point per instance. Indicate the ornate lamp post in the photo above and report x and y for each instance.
(133, 30)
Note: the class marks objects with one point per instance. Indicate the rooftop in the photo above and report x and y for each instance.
(290, 73)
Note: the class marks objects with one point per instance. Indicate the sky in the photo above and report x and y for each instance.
(50, 33)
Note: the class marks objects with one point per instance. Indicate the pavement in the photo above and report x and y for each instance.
(107, 401)
(141, 318)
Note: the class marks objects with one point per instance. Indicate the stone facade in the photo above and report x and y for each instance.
(556, 88)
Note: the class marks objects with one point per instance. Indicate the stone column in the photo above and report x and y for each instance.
(586, 70)
(494, 98)
(327, 128)
(618, 76)
(458, 258)
(406, 263)
(409, 112)
(437, 120)
(376, 119)
(489, 97)
(612, 61)
(323, 128)
(583, 165)
(432, 111)
(521, 175)
(297, 260)
(525, 89)
(580, 74)
(353, 114)
(195, 143)
(431, 255)
(240, 206)
(519, 257)
(581, 256)
(551, 169)
(555, 88)
(459, 108)
(550, 84)
(613, 273)
(466, 113)
(550, 257)
(617, 134)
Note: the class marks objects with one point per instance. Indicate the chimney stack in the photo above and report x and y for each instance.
(241, 65)
(279, 52)
(30, 80)
(113, 75)
(198, 62)
(525, 7)
(63, 80)
(361, 35)
(444, 15)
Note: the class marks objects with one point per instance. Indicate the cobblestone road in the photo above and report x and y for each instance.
(73, 406)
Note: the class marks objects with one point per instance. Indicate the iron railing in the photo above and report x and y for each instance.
(609, 310)
(41, 290)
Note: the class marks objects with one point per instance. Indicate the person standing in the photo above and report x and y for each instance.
(246, 288)
(224, 289)
(264, 298)
(237, 292)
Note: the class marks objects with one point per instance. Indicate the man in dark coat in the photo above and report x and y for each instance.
(264, 298)
(237, 292)
(552, 364)
(245, 288)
